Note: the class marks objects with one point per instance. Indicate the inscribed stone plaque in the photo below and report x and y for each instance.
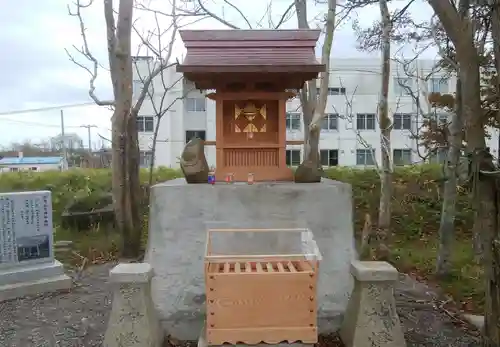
(25, 228)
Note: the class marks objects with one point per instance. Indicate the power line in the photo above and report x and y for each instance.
(41, 109)
(35, 123)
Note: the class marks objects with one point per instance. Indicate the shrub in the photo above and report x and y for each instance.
(72, 184)
(416, 198)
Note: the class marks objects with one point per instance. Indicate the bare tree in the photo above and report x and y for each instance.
(375, 239)
(160, 103)
(448, 212)
(380, 36)
(451, 166)
(460, 30)
(313, 106)
(437, 136)
(160, 86)
(126, 187)
(384, 217)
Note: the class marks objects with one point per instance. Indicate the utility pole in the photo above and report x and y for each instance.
(88, 127)
(63, 138)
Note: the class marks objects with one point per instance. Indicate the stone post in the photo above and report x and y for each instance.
(371, 318)
(133, 321)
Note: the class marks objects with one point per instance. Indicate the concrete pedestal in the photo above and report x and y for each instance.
(33, 279)
(133, 321)
(371, 318)
(179, 217)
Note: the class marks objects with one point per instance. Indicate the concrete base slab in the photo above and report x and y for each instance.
(35, 279)
(202, 342)
(181, 213)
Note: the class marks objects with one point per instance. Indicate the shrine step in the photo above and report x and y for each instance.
(202, 342)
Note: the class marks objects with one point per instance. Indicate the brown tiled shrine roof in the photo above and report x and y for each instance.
(230, 51)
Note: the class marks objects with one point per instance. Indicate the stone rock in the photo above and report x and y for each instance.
(193, 163)
(308, 173)
(176, 241)
(475, 320)
(133, 321)
(371, 318)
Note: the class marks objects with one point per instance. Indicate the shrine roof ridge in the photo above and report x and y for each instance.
(251, 35)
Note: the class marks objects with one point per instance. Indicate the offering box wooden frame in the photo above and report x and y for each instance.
(260, 298)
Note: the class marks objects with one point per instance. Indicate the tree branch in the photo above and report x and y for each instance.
(85, 51)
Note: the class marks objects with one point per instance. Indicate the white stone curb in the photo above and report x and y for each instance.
(133, 321)
(371, 318)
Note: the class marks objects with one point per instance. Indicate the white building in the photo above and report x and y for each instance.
(71, 141)
(348, 132)
(36, 164)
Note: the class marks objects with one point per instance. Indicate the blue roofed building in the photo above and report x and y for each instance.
(36, 164)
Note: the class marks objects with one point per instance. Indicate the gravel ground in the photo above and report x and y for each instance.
(79, 318)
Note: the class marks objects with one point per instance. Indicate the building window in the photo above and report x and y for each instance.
(365, 121)
(402, 121)
(145, 158)
(195, 104)
(136, 87)
(365, 156)
(293, 157)
(34, 168)
(145, 124)
(438, 85)
(401, 156)
(334, 91)
(292, 121)
(190, 134)
(403, 86)
(330, 122)
(329, 157)
(438, 156)
(14, 169)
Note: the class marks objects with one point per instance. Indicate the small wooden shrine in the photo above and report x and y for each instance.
(252, 73)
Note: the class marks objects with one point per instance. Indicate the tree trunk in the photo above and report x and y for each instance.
(447, 224)
(484, 191)
(459, 29)
(125, 162)
(313, 107)
(133, 225)
(384, 218)
(492, 235)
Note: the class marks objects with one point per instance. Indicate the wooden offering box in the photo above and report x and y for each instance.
(270, 298)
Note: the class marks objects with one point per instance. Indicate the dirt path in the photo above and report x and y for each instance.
(79, 318)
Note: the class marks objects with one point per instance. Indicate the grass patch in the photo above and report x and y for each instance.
(89, 247)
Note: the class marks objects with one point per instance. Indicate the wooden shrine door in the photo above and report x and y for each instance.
(252, 141)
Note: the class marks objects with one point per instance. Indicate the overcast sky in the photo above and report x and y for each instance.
(37, 73)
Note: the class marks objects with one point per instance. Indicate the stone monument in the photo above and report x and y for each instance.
(27, 264)
(253, 73)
